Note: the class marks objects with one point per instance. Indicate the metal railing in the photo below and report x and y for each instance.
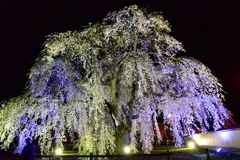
(90, 157)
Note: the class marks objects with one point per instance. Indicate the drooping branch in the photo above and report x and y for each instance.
(109, 79)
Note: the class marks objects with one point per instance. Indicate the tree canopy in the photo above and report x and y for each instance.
(113, 79)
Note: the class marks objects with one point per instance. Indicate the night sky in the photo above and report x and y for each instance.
(209, 30)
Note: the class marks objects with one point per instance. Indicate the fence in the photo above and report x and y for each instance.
(90, 157)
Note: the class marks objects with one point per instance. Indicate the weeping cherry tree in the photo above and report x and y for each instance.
(105, 86)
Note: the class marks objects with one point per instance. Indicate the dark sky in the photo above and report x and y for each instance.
(208, 29)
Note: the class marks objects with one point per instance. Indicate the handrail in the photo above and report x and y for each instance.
(91, 155)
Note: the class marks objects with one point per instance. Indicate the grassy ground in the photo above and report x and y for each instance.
(199, 153)
(179, 154)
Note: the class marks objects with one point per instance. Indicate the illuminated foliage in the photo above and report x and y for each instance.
(112, 80)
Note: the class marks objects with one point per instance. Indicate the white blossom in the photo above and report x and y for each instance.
(112, 80)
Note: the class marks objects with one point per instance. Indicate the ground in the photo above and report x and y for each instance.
(177, 154)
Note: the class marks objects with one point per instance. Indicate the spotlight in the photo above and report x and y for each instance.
(127, 149)
(219, 150)
(191, 144)
(58, 151)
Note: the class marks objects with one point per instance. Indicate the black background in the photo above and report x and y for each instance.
(209, 31)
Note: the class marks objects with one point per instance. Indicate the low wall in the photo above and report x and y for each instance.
(227, 139)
